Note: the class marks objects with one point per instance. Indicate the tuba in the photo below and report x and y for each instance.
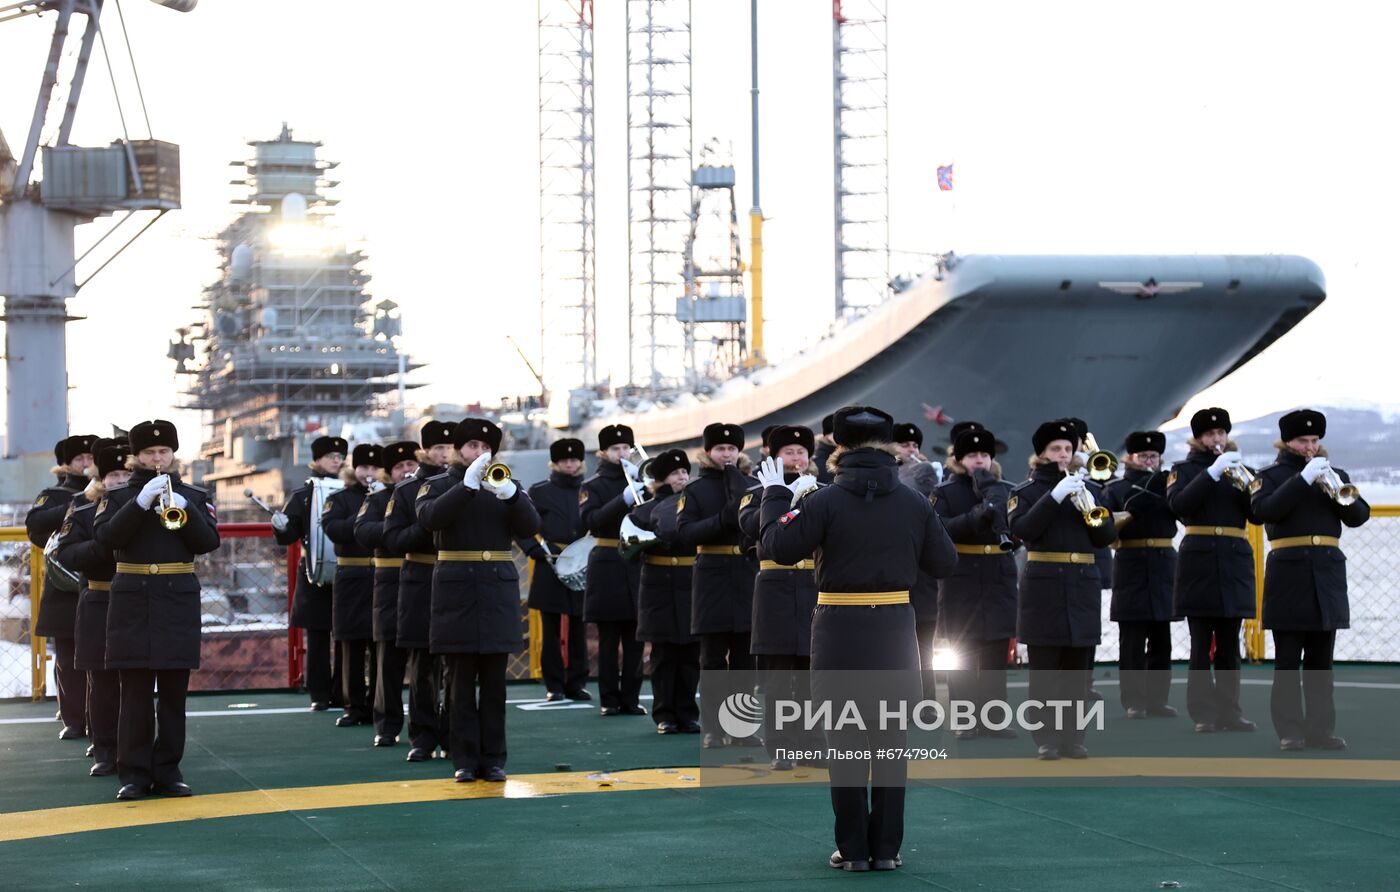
(1094, 514)
(1331, 483)
(1101, 463)
(1242, 478)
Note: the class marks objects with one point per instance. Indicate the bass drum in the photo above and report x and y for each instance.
(571, 566)
(320, 550)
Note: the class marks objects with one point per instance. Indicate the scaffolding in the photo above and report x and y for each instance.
(659, 169)
(713, 311)
(568, 272)
(860, 38)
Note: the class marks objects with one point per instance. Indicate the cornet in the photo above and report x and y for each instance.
(1094, 513)
(172, 517)
(1101, 463)
(1241, 477)
(1339, 492)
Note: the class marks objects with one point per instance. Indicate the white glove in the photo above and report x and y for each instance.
(803, 484)
(630, 470)
(629, 495)
(475, 471)
(1223, 462)
(279, 521)
(1314, 468)
(152, 490)
(179, 501)
(376, 486)
(502, 491)
(1081, 458)
(1071, 484)
(770, 472)
(938, 470)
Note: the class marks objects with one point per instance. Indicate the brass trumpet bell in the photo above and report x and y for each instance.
(172, 517)
(1339, 492)
(1102, 464)
(497, 473)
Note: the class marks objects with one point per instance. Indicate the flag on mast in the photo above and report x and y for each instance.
(945, 177)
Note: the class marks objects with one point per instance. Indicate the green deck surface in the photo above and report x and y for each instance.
(1004, 835)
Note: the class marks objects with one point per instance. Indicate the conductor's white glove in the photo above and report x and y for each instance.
(1223, 462)
(800, 487)
(1314, 468)
(475, 471)
(1071, 484)
(152, 490)
(630, 470)
(502, 490)
(770, 472)
(629, 495)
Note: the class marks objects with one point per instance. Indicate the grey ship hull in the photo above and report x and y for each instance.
(1121, 341)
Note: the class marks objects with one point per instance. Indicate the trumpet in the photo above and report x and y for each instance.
(497, 473)
(1094, 513)
(172, 517)
(1242, 477)
(1101, 463)
(1331, 483)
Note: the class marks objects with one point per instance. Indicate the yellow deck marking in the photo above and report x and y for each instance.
(116, 815)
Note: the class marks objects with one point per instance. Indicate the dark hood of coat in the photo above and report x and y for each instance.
(865, 470)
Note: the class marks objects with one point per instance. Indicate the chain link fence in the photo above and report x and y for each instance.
(244, 612)
(16, 615)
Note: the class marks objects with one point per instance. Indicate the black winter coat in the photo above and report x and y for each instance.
(707, 516)
(1305, 586)
(57, 609)
(783, 600)
(153, 621)
(1060, 604)
(369, 533)
(663, 608)
(1214, 574)
(476, 604)
(352, 595)
(610, 590)
(1143, 576)
(311, 604)
(557, 501)
(78, 551)
(978, 601)
(403, 534)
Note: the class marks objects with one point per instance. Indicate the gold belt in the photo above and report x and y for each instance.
(656, 560)
(154, 569)
(382, 563)
(99, 586)
(1299, 541)
(1232, 532)
(476, 556)
(606, 543)
(1143, 543)
(862, 599)
(719, 549)
(1060, 557)
(420, 558)
(354, 562)
(977, 549)
(808, 564)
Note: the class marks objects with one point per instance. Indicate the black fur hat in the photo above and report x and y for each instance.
(1302, 423)
(719, 433)
(111, 454)
(404, 450)
(1050, 431)
(477, 429)
(437, 433)
(906, 431)
(155, 433)
(323, 446)
(1214, 418)
(366, 454)
(70, 448)
(614, 434)
(862, 424)
(568, 447)
(1145, 441)
(781, 435)
(668, 462)
(974, 440)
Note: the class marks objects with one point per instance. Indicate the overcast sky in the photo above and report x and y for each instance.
(1192, 127)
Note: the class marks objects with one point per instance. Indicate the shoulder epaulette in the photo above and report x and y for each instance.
(118, 488)
(75, 507)
(1022, 485)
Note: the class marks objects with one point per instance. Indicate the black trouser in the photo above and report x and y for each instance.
(619, 684)
(318, 665)
(426, 728)
(357, 674)
(104, 707)
(1312, 651)
(561, 676)
(71, 684)
(785, 677)
(477, 714)
(926, 629)
(720, 651)
(1214, 700)
(1144, 663)
(675, 676)
(983, 676)
(151, 729)
(869, 824)
(1059, 673)
(388, 688)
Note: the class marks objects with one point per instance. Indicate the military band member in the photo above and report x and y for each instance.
(404, 534)
(784, 596)
(153, 613)
(561, 608)
(722, 585)
(397, 462)
(977, 603)
(611, 588)
(476, 594)
(1144, 571)
(1214, 587)
(870, 535)
(920, 475)
(663, 610)
(825, 446)
(57, 608)
(1305, 582)
(1059, 604)
(352, 594)
(79, 552)
(311, 603)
